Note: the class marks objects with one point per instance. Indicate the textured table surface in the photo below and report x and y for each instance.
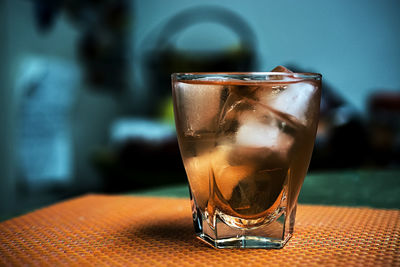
(126, 230)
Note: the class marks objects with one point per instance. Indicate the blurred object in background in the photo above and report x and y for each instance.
(341, 140)
(384, 128)
(47, 90)
(45, 12)
(166, 58)
(136, 159)
(104, 26)
(142, 154)
(102, 47)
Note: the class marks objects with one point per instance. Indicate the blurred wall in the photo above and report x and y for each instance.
(7, 184)
(354, 44)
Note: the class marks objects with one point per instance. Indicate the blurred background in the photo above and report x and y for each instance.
(85, 85)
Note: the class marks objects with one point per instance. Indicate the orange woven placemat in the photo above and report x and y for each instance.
(122, 230)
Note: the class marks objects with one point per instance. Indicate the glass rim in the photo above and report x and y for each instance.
(245, 76)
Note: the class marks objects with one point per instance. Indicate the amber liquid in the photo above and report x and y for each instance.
(242, 180)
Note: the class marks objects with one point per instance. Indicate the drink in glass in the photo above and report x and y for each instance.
(246, 140)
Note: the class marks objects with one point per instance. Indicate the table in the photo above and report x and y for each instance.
(148, 231)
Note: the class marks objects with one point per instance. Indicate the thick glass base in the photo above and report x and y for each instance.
(244, 242)
(271, 235)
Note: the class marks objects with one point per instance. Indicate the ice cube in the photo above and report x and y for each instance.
(260, 192)
(214, 165)
(281, 77)
(234, 105)
(227, 177)
(281, 69)
(256, 134)
(202, 103)
(269, 91)
(295, 100)
(268, 135)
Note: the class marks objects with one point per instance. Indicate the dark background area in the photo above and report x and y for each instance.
(85, 85)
